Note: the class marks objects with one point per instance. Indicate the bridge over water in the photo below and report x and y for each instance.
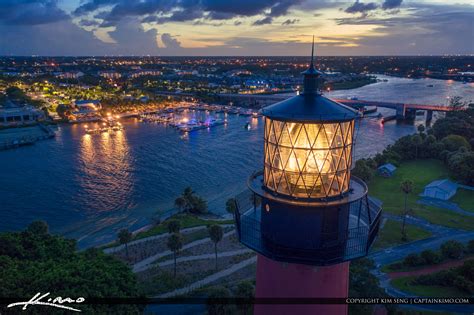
(403, 110)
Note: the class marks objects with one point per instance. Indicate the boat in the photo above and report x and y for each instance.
(430, 85)
(247, 126)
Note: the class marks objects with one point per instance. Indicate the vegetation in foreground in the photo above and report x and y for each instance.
(34, 261)
(458, 281)
(450, 250)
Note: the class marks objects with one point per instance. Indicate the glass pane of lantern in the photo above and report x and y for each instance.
(309, 160)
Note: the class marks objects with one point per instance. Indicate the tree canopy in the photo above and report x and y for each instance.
(35, 261)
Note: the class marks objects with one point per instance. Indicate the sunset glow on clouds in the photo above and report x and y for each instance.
(246, 27)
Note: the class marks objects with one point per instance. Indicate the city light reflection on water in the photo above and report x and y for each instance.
(89, 186)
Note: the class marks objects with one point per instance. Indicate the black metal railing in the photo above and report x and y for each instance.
(325, 249)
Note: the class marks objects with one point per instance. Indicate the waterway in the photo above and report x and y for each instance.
(89, 187)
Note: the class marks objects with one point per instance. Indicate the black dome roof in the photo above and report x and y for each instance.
(309, 108)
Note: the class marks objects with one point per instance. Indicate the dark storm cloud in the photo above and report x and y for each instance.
(359, 7)
(265, 20)
(430, 29)
(170, 41)
(186, 10)
(391, 4)
(86, 23)
(289, 22)
(30, 12)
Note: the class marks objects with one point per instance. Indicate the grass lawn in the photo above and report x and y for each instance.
(404, 285)
(187, 221)
(421, 172)
(465, 199)
(391, 234)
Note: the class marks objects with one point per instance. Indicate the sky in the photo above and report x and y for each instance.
(235, 27)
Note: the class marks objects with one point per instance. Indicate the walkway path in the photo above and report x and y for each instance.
(214, 277)
(205, 256)
(118, 248)
(441, 234)
(444, 204)
(428, 269)
(147, 262)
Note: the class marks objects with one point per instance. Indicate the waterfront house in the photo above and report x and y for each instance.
(25, 115)
(87, 106)
(387, 170)
(440, 189)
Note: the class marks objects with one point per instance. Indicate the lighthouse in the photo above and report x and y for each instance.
(304, 214)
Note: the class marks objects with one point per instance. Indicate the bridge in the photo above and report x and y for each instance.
(403, 110)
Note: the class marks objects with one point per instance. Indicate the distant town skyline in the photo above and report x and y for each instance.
(235, 28)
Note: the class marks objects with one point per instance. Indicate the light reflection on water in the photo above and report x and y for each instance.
(90, 186)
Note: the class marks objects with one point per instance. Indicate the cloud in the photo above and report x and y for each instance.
(391, 4)
(33, 12)
(87, 23)
(162, 11)
(265, 20)
(428, 29)
(169, 41)
(132, 39)
(289, 22)
(359, 7)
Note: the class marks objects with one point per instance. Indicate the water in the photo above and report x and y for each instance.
(89, 187)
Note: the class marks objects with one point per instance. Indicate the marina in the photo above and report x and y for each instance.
(108, 181)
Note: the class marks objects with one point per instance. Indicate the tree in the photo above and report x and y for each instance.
(39, 228)
(180, 203)
(421, 128)
(175, 243)
(125, 236)
(413, 260)
(246, 290)
(430, 257)
(452, 249)
(230, 205)
(190, 202)
(213, 307)
(470, 247)
(407, 187)
(454, 142)
(173, 226)
(52, 263)
(417, 140)
(363, 170)
(216, 233)
(461, 165)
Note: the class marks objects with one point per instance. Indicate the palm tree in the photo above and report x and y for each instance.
(175, 243)
(174, 226)
(416, 141)
(125, 236)
(407, 187)
(230, 205)
(216, 233)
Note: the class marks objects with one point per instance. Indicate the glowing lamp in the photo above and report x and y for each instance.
(305, 208)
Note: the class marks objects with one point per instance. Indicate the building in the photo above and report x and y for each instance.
(304, 214)
(110, 74)
(149, 72)
(440, 189)
(70, 75)
(387, 170)
(20, 116)
(87, 106)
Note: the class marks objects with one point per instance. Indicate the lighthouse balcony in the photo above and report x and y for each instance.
(312, 232)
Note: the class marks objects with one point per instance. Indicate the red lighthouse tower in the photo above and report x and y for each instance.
(304, 214)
